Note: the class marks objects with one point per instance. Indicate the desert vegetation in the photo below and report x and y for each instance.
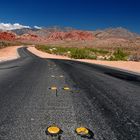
(85, 52)
(4, 44)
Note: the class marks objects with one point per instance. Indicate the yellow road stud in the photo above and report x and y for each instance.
(53, 88)
(66, 88)
(53, 130)
(83, 131)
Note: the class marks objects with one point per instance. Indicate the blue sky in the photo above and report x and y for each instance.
(81, 14)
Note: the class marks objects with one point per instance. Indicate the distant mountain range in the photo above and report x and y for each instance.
(102, 34)
(56, 34)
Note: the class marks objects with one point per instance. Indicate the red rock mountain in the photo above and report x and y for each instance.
(7, 36)
(71, 36)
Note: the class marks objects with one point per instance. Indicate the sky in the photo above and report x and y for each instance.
(80, 14)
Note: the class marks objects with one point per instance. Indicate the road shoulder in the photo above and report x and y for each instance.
(128, 66)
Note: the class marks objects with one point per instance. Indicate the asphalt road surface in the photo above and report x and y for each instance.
(104, 100)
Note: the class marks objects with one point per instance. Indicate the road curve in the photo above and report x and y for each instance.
(106, 101)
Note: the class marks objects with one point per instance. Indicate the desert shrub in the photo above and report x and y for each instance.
(99, 51)
(79, 53)
(85, 53)
(8, 43)
(119, 55)
(134, 57)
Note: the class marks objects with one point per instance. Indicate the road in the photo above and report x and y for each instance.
(106, 101)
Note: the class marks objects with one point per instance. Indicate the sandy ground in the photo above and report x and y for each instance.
(9, 53)
(129, 66)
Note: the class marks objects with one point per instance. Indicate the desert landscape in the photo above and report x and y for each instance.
(116, 47)
(108, 44)
(70, 70)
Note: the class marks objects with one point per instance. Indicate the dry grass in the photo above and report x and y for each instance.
(4, 44)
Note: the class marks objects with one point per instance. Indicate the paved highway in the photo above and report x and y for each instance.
(104, 100)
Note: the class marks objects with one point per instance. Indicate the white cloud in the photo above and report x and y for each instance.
(37, 27)
(9, 26)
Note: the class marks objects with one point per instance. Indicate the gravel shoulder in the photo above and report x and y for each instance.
(124, 65)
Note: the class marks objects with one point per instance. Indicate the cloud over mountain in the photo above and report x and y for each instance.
(37, 27)
(9, 26)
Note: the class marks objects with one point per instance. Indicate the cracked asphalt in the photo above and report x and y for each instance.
(106, 101)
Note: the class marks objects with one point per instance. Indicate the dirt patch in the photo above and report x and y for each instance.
(9, 53)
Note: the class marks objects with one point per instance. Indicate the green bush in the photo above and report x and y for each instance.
(119, 55)
(79, 53)
(99, 51)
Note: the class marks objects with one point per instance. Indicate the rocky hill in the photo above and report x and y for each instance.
(115, 33)
(71, 36)
(8, 36)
